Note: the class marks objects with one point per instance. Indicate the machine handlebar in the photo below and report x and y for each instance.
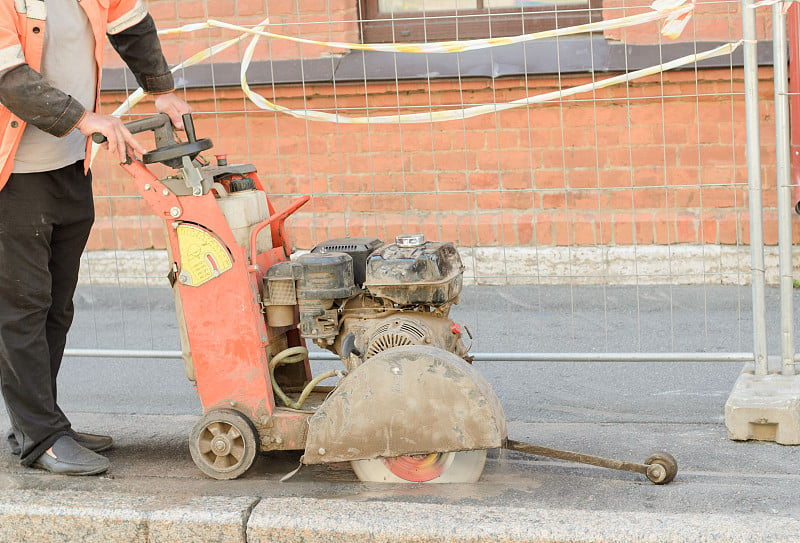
(168, 151)
(154, 122)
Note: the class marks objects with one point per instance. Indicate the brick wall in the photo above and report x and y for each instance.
(659, 161)
(626, 167)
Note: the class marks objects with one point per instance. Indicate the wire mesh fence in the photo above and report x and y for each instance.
(584, 156)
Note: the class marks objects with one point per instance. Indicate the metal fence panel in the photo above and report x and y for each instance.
(561, 165)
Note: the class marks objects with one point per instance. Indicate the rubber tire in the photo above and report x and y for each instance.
(237, 430)
(463, 467)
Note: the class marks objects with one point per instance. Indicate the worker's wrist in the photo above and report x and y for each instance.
(158, 84)
(68, 120)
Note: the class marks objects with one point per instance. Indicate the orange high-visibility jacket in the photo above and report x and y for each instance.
(26, 97)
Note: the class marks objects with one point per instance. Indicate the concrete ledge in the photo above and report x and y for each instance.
(307, 520)
(89, 517)
(764, 408)
(603, 265)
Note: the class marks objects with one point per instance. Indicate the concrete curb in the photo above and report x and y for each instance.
(618, 265)
(88, 517)
(323, 521)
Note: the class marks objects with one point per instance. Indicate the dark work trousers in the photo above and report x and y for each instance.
(45, 219)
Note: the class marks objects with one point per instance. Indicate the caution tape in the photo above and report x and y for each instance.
(474, 111)
(676, 14)
(784, 8)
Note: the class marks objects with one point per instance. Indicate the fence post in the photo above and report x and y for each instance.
(783, 183)
(754, 186)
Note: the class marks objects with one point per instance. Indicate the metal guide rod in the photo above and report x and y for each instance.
(478, 357)
(561, 454)
(660, 467)
(754, 186)
(783, 183)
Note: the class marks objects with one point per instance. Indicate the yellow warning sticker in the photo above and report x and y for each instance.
(203, 257)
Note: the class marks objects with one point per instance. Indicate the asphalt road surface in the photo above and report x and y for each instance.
(615, 409)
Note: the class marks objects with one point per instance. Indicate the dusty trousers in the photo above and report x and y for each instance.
(45, 219)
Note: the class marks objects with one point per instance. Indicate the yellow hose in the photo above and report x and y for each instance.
(292, 355)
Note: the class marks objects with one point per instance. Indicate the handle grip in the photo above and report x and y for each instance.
(154, 122)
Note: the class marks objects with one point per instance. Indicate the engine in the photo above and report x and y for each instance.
(358, 296)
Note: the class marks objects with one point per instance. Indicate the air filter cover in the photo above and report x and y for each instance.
(430, 273)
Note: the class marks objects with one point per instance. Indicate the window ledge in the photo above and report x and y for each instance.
(575, 55)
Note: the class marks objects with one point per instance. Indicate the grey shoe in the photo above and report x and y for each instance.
(66, 457)
(96, 443)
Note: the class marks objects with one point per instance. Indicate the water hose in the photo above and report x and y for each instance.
(293, 355)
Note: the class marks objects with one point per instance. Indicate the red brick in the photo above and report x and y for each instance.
(709, 230)
(611, 178)
(686, 228)
(516, 200)
(163, 13)
(581, 158)
(562, 230)
(543, 227)
(191, 9)
(645, 229)
(728, 229)
(525, 227)
(770, 230)
(584, 231)
(649, 199)
(488, 200)
(517, 180)
(548, 179)
(623, 229)
(481, 180)
(582, 178)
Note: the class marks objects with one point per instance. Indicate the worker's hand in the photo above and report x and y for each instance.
(173, 106)
(119, 139)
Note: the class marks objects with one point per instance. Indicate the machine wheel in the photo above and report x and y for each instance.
(449, 467)
(663, 468)
(223, 444)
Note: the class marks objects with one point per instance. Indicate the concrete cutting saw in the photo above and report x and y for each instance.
(408, 405)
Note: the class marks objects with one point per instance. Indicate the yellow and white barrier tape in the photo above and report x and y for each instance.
(474, 111)
(761, 3)
(675, 12)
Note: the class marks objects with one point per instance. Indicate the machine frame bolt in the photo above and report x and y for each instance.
(322, 451)
(175, 212)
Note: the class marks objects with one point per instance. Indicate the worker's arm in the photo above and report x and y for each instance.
(23, 90)
(140, 48)
(30, 97)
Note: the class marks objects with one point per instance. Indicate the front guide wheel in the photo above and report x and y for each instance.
(223, 444)
(662, 468)
(448, 467)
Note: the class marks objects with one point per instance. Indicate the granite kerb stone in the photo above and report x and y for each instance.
(308, 520)
(88, 517)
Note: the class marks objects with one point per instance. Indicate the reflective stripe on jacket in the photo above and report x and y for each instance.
(22, 27)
